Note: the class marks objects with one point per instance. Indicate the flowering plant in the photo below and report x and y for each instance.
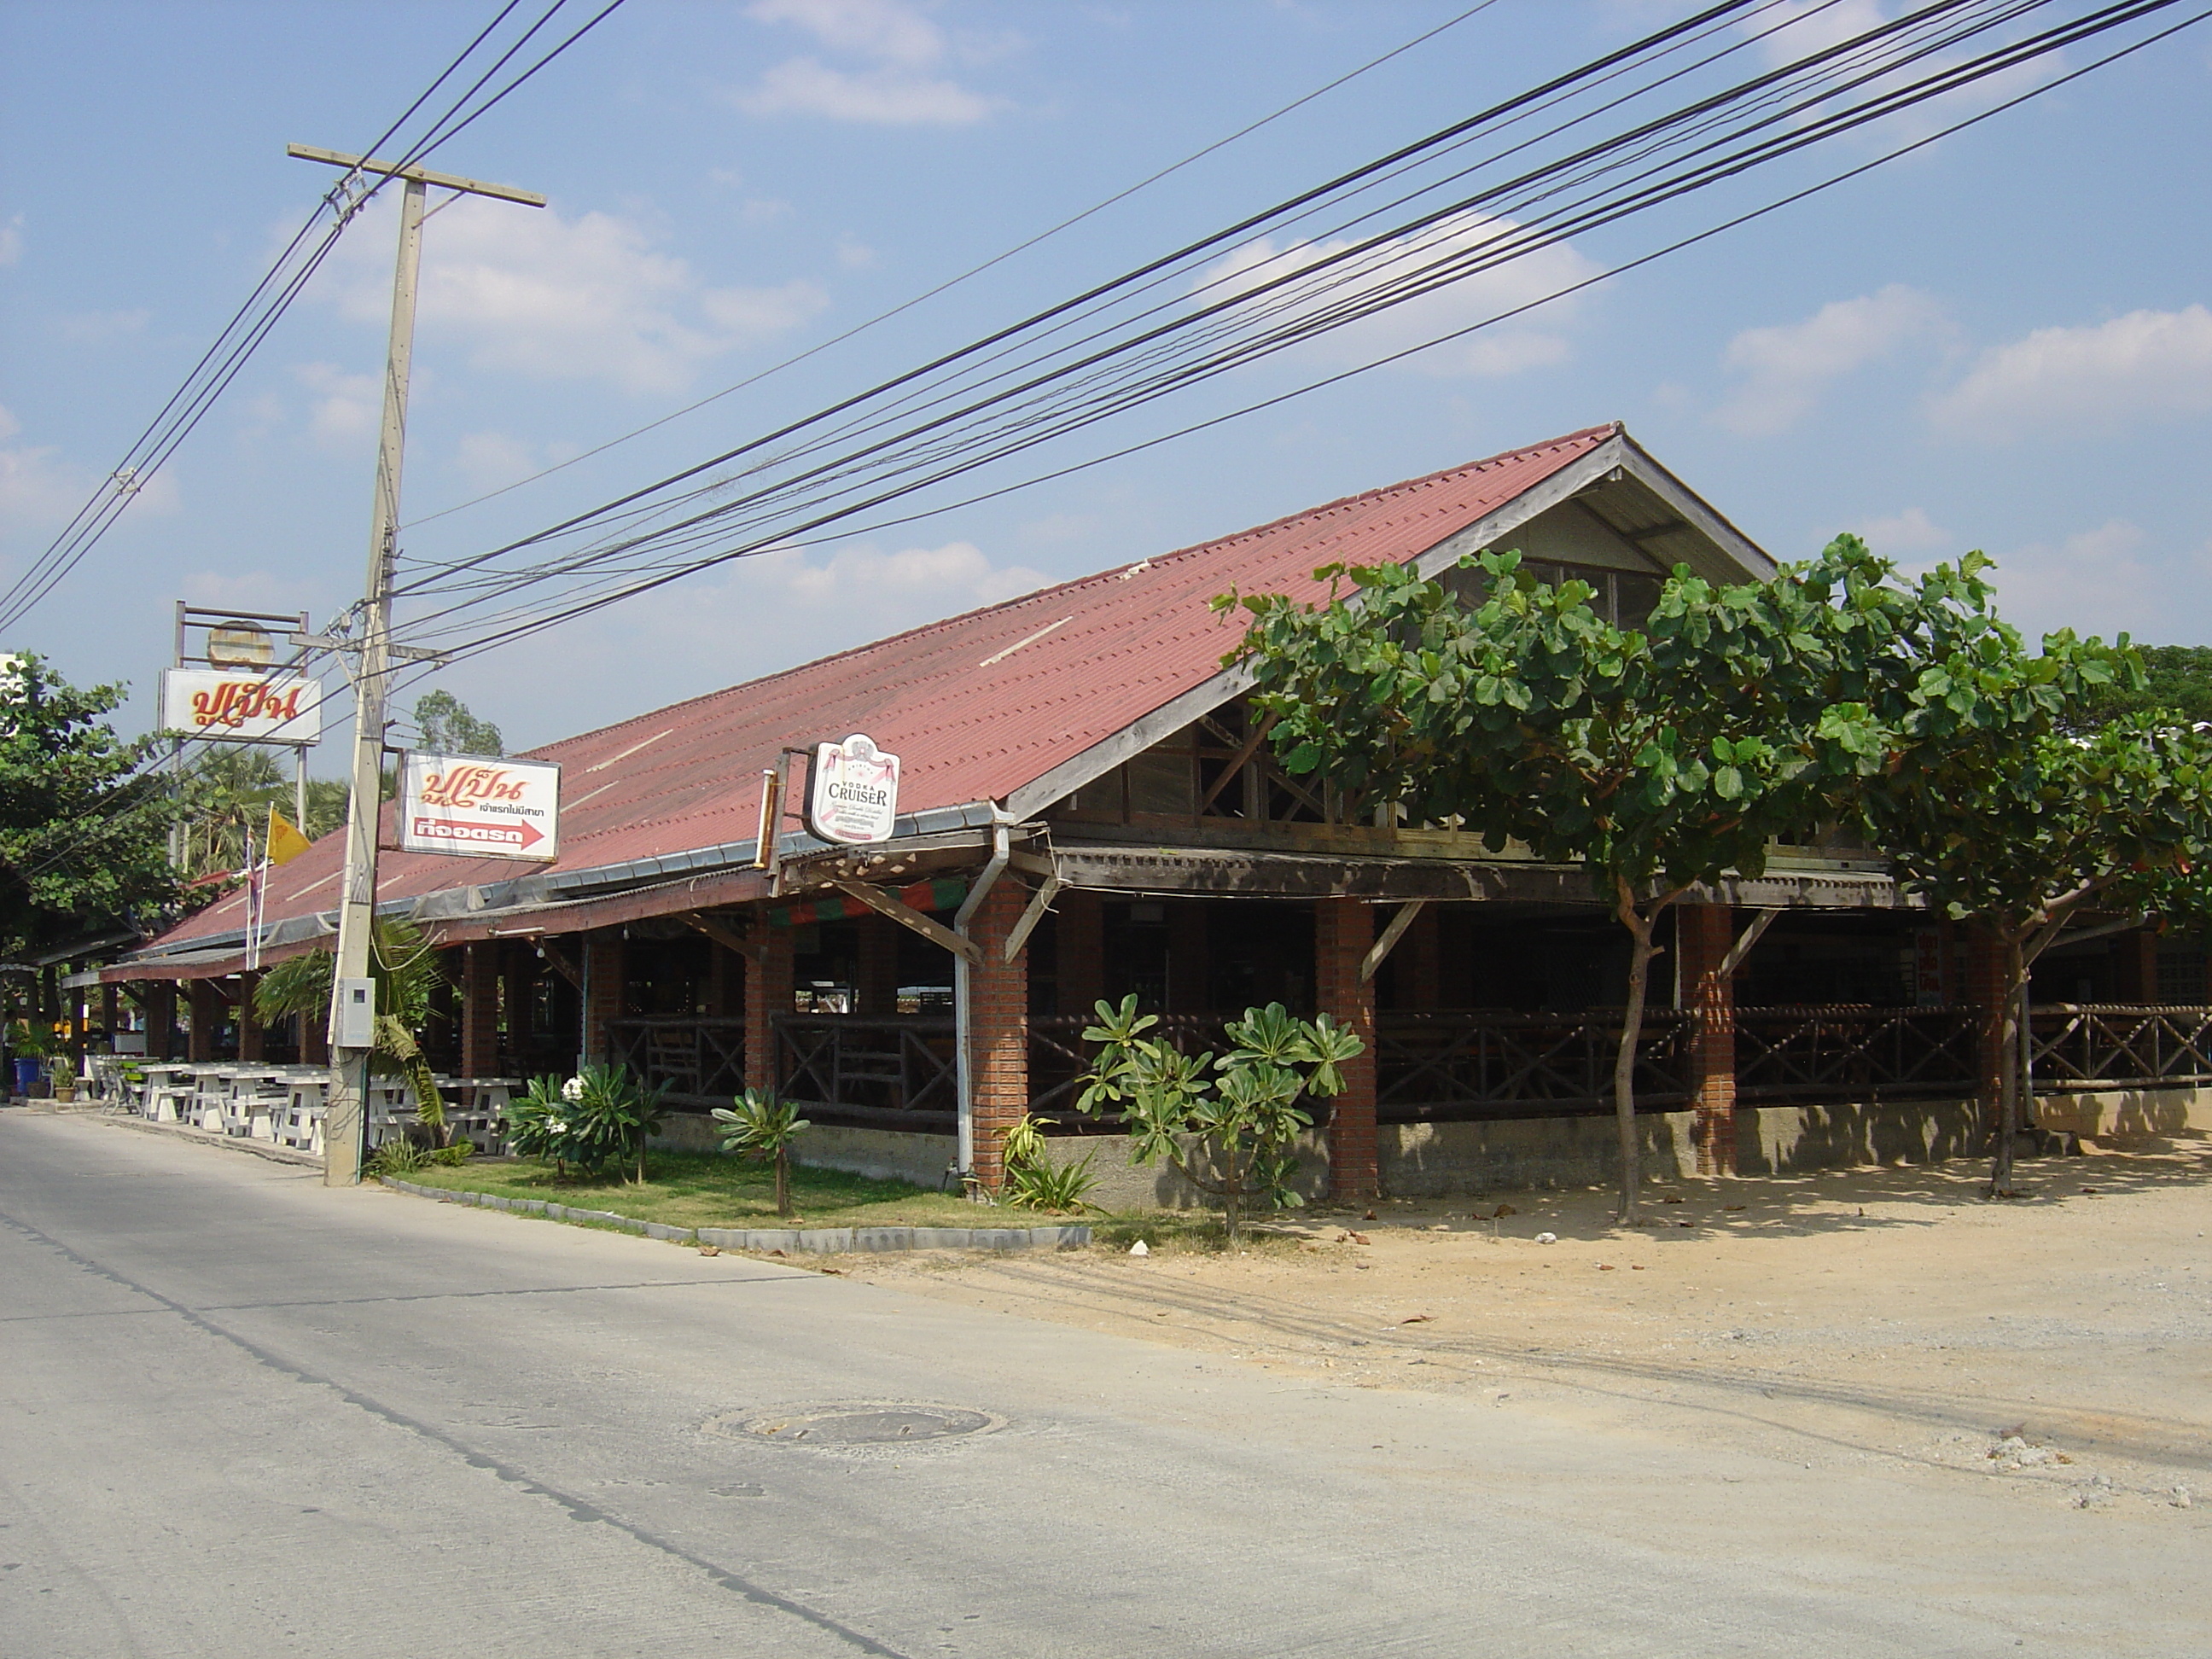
(600, 1117)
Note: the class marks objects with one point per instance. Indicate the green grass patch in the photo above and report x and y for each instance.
(702, 1190)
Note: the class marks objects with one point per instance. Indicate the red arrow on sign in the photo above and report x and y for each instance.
(476, 832)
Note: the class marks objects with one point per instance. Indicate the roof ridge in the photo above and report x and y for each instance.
(1609, 429)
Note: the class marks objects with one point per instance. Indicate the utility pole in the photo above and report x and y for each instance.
(345, 1127)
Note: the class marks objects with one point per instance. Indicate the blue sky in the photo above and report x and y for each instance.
(2002, 340)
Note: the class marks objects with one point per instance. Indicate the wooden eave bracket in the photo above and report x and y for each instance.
(1750, 936)
(936, 931)
(559, 963)
(723, 936)
(1029, 918)
(1380, 951)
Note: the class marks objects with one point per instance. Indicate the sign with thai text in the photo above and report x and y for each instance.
(852, 791)
(229, 707)
(468, 804)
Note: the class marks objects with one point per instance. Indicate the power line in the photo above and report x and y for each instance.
(1712, 171)
(951, 283)
(222, 363)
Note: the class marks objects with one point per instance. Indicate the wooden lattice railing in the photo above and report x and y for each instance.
(1809, 1055)
(701, 1062)
(1460, 1067)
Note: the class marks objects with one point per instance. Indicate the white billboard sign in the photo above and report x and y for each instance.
(484, 808)
(229, 706)
(852, 791)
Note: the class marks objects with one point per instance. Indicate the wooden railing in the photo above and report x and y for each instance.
(882, 1073)
(701, 1062)
(1058, 1057)
(2080, 1047)
(1810, 1055)
(1463, 1067)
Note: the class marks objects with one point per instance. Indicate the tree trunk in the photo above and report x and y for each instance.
(1640, 954)
(2013, 1023)
(782, 1183)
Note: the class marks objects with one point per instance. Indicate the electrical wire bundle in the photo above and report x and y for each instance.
(1734, 88)
(287, 274)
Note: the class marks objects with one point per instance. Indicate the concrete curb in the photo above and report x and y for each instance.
(790, 1241)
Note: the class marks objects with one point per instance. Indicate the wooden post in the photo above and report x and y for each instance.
(768, 996)
(604, 971)
(876, 972)
(480, 1009)
(207, 1020)
(252, 1035)
(1344, 930)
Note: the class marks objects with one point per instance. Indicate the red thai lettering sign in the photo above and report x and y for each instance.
(231, 707)
(482, 808)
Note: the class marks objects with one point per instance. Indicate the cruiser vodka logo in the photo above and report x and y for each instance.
(853, 797)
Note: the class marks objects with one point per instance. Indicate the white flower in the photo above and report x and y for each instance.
(572, 1089)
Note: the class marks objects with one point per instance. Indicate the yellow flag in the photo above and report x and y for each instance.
(285, 841)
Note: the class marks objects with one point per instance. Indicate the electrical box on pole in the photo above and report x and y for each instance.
(345, 1127)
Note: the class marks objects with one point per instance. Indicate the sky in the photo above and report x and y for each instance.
(2002, 340)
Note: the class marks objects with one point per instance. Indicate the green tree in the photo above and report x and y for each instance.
(405, 968)
(762, 1127)
(1661, 759)
(1990, 807)
(446, 728)
(1229, 1126)
(224, 795)
(84, 818)
(2176, 685)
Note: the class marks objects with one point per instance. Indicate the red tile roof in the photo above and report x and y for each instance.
(976, 706)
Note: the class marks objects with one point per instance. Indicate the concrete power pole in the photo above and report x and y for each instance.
(345, 1128)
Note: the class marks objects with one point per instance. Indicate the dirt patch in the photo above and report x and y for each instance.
(2063, 1338)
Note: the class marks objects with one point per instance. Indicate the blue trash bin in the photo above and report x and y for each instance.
(26, 1074)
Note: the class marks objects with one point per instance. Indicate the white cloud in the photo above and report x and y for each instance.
(1506, 349)
(493, 460)
(588, 298)
(886, 29)
(2097, 376)
(899, 88)
(1903, 533)
(342, 409)
(1785, 368)
(11, 240)
(708, 633)
(2099, 581)
(888, 96)
(99, 327)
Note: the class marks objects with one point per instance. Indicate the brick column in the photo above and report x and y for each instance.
(480, 1009)
(876, 973)
(252, 1035)
(1983, 981)
(207, 1020)
(1081, 933)
(1344, 931)
(603, 991)
(768, 994)
(998, 1027)
(1703, 933)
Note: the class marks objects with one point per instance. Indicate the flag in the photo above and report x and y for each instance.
(257, 877)
(286, 842)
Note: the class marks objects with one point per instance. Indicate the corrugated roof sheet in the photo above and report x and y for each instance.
(976, 706)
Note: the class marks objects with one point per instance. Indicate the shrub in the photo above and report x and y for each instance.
(1033, 1182)
(763, 1128)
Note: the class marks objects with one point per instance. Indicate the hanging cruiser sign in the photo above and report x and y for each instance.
(852, 791)
(242, 707)
(488, 808)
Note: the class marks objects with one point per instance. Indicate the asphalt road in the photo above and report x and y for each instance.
(240, 1415)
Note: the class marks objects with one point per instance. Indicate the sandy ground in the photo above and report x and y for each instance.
(1883, 1319)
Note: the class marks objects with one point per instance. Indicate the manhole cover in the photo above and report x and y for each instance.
(867, 1423)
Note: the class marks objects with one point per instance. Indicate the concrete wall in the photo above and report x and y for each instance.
(1450, 1160)
(1445, 1160)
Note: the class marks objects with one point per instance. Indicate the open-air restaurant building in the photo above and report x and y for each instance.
(1088, 809)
